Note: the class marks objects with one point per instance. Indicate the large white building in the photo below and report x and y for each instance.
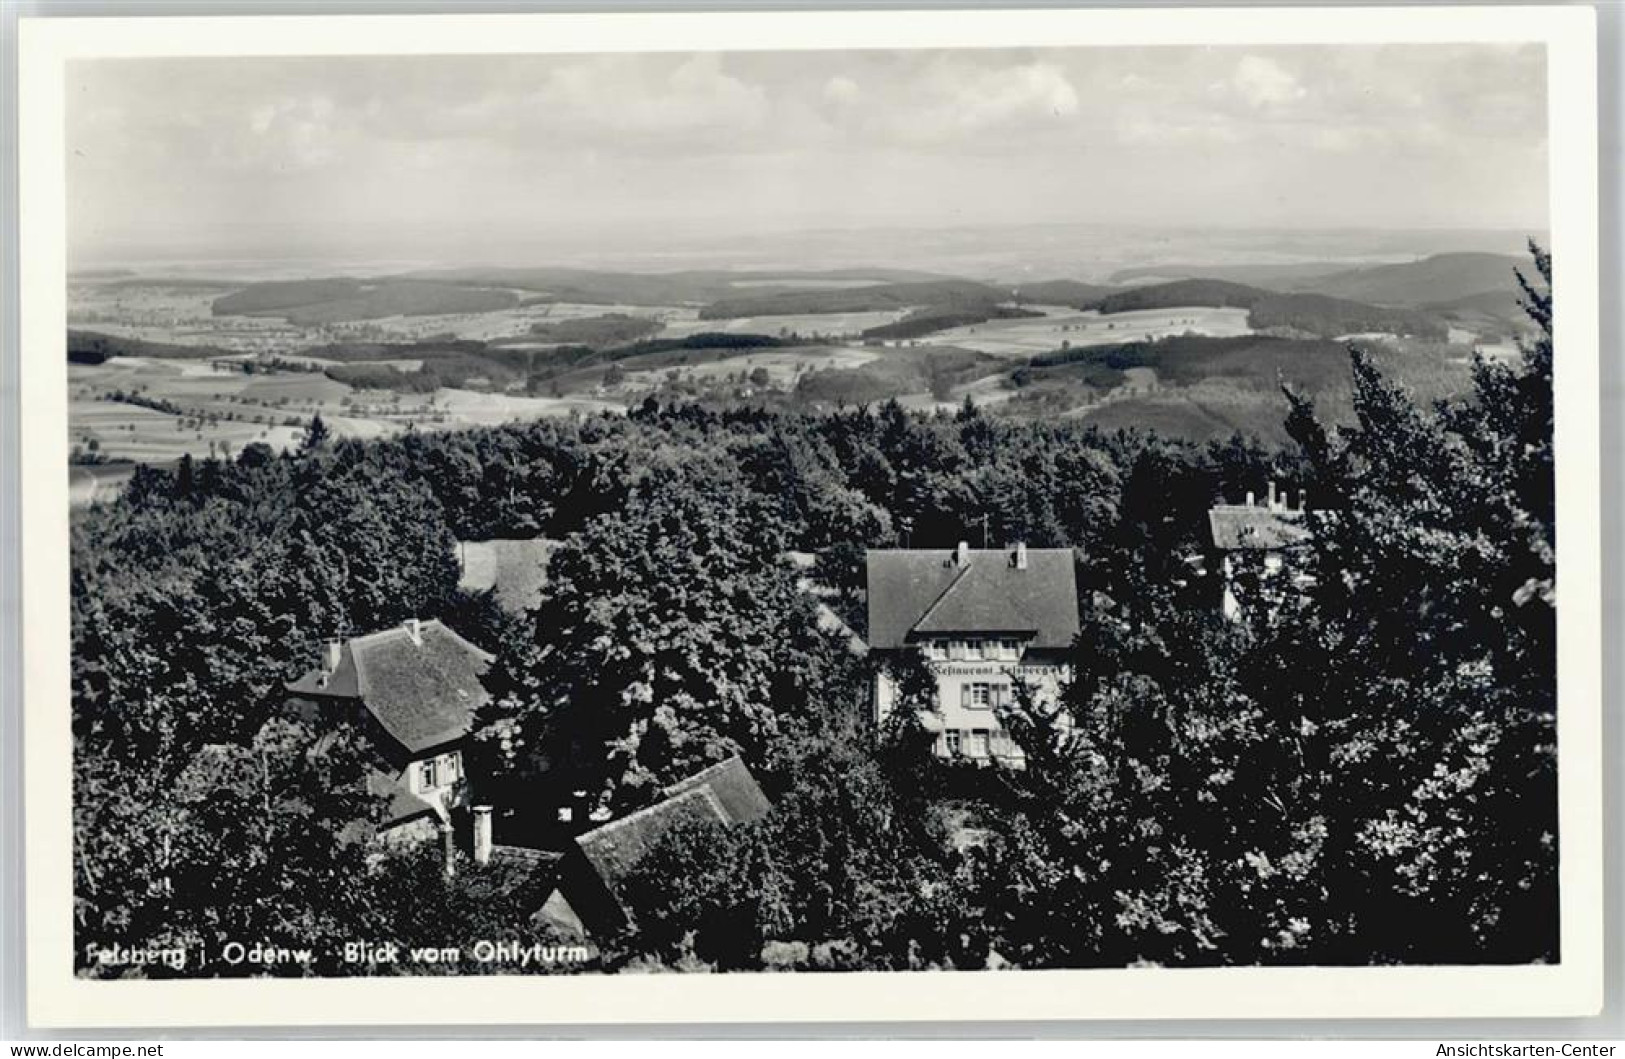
(984, 620)
(1271, 530)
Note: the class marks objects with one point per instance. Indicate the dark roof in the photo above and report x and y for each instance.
(1239, 527)
(525, 858)
(735, 788)
(616, 848)
(515, 568)
(915, 592)
(404, 805)
(725, 793)
(422, 692)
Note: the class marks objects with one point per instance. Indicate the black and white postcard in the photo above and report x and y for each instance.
(912, 515)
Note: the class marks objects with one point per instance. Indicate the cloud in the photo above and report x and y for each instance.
(953, 99)
(625, 101)
(1265, 82)
(742, 140)
(842, 91)
(298, 134)
(1015, 94)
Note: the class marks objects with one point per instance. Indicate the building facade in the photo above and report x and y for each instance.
(987, 623)
(1268, 532)
(414, 690)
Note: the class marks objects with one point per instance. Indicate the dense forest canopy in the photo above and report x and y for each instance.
(1361, 769)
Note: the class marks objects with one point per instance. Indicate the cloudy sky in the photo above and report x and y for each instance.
(409, 155)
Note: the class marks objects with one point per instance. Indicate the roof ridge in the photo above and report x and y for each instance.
(363, 686)
(462, 641)
(706, 771)
(955, 583)
(613, 825)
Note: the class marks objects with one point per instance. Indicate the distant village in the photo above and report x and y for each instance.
(988, 623)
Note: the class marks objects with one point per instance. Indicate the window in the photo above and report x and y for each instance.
(452, 766)
(936, 650)
(978, 742)
(983, 696)
(429, 777)
(1010, 649)
(956, 649)
(973, 650)
(954, 738)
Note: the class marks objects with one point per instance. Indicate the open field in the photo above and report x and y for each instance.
(805, 284)
(1060, 325)
(487, 364)
(512, 323)
(188, 407)
(89, 484)
(840, 324)
(177, 314)
(130, 432)
(783, 366)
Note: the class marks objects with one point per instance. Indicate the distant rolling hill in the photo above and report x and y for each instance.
(321, 301)
(1279, 275)
(1440, 278)
(1311, 314)
(944, 293)
(1069, 292)
(1490, 313)
(1203, 388)
(610, 329)
(1327, 317)
(93, 347)
(932, 369)
(1215, 293)
(694, 286)
(930, 320)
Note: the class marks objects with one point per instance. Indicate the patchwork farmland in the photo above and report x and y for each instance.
(166, 366)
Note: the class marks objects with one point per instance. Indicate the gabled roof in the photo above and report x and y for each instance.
(422, 691)
(516, 568)
(735, 788)
(404, 805)
(915, 592)
(618, 846)
(524, 858)
(1244, 527)
(725, 793)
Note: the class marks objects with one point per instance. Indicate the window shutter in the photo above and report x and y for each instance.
(965, 697)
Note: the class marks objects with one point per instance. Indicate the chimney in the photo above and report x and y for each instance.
(449, 845)
(414, 629)
(1272, 495)
(331, 652)
(1019, 560)
(962, 555)
(1249, 498)
(482, 834)
(1303, 500)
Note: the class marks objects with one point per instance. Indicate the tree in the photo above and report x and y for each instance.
(656, 643)
(316, 434)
